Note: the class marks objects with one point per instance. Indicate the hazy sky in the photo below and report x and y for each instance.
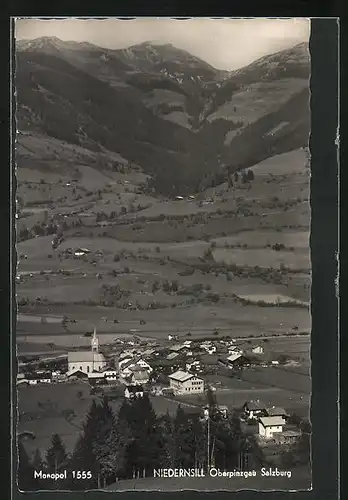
(223, 43)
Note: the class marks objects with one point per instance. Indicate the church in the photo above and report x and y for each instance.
(87, 361)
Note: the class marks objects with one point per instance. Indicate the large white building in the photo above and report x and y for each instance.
(186, 383)
(87, 361)
(268, 426)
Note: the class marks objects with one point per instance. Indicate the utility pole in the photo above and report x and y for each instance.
(207, 418)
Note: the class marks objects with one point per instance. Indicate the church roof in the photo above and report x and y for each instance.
(76, 356)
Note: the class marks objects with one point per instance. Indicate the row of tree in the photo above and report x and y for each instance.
(133, 443)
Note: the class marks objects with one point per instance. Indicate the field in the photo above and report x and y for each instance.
(230, 260)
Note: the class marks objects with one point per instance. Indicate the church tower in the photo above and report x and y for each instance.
(95, 341)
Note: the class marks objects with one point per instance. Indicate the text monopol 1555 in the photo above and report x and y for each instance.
(74, 474)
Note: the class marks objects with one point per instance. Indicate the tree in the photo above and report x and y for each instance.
(145, 448)
(56, 456)
(93, 443)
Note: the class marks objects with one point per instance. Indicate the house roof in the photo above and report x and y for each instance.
(137, 368)
(76, 372)
(177, 347)
(271, 421)
(255, 405)
(181, 376)
(135, 388)
(85, 356)
(172, 355)
(96, 375)
(148, 352)
(140, 375)
(234, 356)
(276, 411)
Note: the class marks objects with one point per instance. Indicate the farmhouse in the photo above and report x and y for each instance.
(254, 409)
(186, 383)
(139, 376)
(96, 378)
(258, 349)
(133, 391)
(110, 374)
(276, 412)
(128, 366)
(80, 252)
(39, 377)
(77, 375)
(178, 347)
(236, 360)
(87, 361)
(268, 426)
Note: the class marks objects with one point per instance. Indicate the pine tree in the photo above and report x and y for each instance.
(56, 456)
(145, 447)
(94, 444)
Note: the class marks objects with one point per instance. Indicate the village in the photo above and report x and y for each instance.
(175, 371)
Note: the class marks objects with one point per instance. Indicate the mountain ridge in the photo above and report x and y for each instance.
(175, 117)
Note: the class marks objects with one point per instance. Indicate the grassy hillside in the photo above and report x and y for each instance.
(164, 109)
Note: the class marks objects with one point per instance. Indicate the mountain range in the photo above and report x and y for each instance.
(185, 123)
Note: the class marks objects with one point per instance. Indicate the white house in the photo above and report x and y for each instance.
(270, 425)
(257, 349)
(185, 383)
(110, 375)
(133, 391)
(96, 377)
(87, 361)
(127, 367)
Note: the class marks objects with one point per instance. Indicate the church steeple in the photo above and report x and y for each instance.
(95, 341)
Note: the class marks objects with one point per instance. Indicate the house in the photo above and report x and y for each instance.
(275, 411)
(157, 390)
(139, 376)
(237, 360)
(44, 377)
(76, 375)
(87, 361)
(223, 410)
(177, 347)
(110, 375)
(194, 365)
(126, 367)
(133, 391)
(257, 349)
(80, 252)
(148, 353)
(254, 409)
(172, 355)
(95, 378)
(268, 426)
(186, 383)
(39, 377)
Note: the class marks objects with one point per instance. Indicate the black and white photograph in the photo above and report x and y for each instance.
(163, 283)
